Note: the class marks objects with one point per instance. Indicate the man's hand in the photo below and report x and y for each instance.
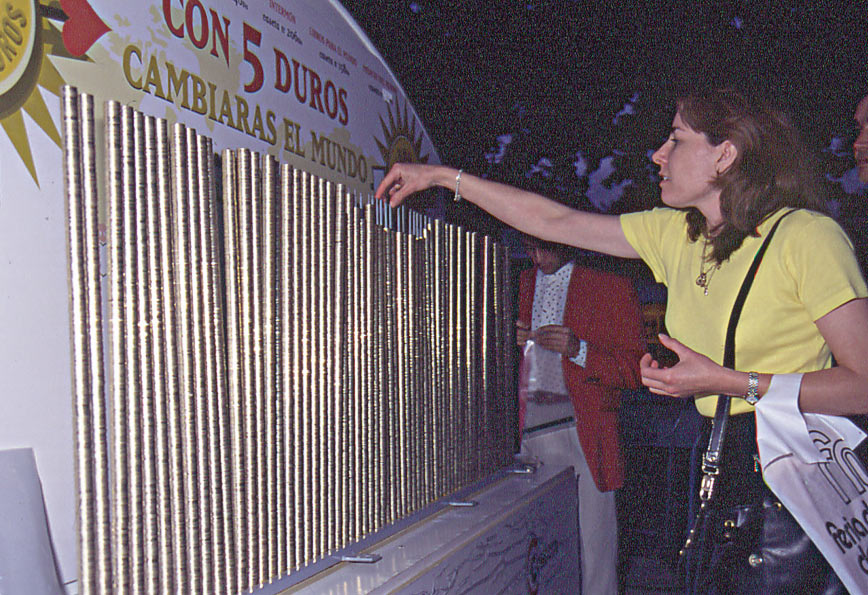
(522, 333)
(560, 339)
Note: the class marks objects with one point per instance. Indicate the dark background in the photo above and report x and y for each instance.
(554, 75)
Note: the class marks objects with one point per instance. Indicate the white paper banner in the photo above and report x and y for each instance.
(809, 463)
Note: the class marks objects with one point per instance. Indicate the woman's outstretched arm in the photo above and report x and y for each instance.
(525, 211)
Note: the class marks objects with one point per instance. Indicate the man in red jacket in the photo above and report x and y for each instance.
(581, 332)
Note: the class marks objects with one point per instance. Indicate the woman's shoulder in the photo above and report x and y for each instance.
(816, 253)
(658, 235)
(812, 241)
(663, 213)
(663, 217)
(811, 228)
(806, 216)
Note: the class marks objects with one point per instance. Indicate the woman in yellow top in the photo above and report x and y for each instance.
(729, 169)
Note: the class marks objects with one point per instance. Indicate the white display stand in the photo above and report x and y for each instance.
(520, 537)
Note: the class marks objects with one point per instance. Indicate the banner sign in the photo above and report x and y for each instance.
(809, 463)
(296, 79)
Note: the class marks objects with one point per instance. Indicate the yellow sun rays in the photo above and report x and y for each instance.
(49, 79)
(400, 140)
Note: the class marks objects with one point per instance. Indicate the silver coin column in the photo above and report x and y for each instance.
(88, 378)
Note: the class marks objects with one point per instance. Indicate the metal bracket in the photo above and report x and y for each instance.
(462, 503)
(524, 469)
(360, 558)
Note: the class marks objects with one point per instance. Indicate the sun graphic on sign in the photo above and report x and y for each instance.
(28, 37)
(401, 143)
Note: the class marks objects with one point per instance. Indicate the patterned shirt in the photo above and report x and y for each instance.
(546, 371)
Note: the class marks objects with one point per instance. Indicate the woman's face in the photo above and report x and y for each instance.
(688, 164)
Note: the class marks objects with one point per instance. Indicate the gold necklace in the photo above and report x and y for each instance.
(704, 278)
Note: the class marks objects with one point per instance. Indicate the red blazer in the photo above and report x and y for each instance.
(603, 310)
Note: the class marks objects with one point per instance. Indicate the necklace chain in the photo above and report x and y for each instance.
(704, 278)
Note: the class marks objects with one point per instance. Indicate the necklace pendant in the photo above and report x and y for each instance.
(705, 290)
(702, 280)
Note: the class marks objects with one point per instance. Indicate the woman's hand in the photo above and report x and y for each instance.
(694, 374)
(405, 179)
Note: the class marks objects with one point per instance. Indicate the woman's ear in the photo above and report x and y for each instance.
(726, 157)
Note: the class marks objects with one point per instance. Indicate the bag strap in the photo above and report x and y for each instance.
(712, 456)
(711, 459)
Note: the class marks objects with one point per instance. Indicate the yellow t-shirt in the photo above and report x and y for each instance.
(808, 270)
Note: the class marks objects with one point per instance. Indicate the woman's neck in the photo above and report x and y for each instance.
(713, 217)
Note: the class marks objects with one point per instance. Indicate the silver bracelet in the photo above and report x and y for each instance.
(752, 395)
(457, 197)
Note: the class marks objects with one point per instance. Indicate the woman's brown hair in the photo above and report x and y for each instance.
(773, 168)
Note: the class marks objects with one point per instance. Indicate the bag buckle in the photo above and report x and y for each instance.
(706, 487)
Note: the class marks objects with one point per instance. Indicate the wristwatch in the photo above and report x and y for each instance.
(752, 395)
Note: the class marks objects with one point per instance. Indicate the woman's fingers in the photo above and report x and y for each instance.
(402, 180)
(651, 379)
(674, 345)
(391, 187)
(648, 362)
(657, 391)
(660, 381)
(390, 183)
